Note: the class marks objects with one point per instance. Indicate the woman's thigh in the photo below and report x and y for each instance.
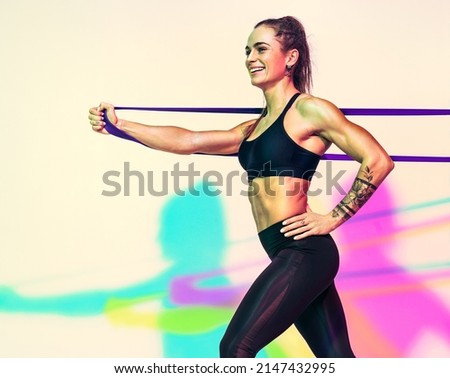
(280, 294)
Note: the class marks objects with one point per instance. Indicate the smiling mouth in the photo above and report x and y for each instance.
(256, 69)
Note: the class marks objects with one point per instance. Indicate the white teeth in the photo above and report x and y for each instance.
(256, 69)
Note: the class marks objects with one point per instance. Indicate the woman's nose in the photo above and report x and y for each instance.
(251, 56)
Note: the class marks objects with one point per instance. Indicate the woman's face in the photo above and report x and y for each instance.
(266, 62)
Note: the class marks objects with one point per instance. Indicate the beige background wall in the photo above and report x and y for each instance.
(60, 236)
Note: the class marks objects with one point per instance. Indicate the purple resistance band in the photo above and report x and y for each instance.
(113, 130)
(347, 111)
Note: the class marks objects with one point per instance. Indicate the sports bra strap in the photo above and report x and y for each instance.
(289, 104)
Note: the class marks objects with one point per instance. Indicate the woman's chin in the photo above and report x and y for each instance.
(257, 83)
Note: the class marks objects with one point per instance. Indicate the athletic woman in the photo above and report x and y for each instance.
(280, 152)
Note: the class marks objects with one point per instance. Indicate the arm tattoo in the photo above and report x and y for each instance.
(362, 189)
(339, 211)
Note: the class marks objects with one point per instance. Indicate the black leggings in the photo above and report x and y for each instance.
(296, 288)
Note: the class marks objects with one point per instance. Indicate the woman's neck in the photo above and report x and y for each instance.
(276, 97)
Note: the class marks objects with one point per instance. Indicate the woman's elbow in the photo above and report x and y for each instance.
(381, 163)
(385, 164)
(185, 144)
(389, 164)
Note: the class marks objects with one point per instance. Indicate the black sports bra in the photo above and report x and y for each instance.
(274, 153)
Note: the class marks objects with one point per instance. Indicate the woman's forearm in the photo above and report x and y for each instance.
(369, 177)
(165, 138)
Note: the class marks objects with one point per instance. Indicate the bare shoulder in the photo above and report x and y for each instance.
(319, 112)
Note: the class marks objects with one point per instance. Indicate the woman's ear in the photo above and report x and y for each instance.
(292, 57)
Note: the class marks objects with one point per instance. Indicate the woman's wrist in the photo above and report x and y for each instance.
(335, 220)
(120, 123)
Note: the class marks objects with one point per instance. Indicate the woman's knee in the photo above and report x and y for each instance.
(232, 348)
(225, 349)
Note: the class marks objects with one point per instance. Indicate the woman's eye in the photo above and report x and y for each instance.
(260, 50)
